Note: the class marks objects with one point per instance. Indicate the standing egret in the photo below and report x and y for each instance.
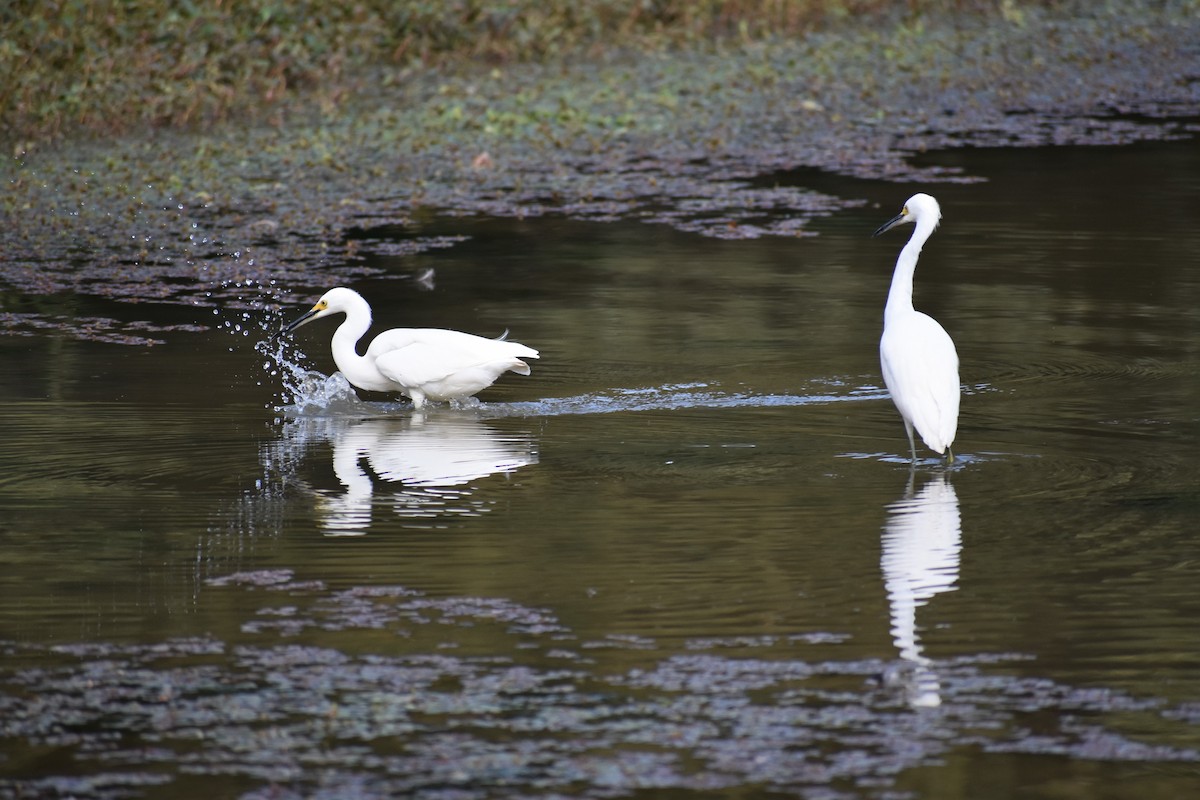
(920, 364)
(423, 363)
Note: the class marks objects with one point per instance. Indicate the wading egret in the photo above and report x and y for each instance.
(423, 363)
(920, 364)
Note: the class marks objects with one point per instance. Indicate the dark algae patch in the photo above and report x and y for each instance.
(677, 135)
(416, 705)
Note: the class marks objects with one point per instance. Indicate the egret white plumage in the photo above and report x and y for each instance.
(920, 364)
(423, 363)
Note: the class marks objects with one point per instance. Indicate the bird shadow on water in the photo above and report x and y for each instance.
(425, 467)
(920, 556)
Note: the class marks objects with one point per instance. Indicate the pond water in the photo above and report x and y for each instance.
(686, 557)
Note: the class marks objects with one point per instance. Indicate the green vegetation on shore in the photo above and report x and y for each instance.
(118, 196)
(107, 66)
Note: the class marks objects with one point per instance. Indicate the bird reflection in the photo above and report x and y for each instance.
(922, 543)
(429, 463)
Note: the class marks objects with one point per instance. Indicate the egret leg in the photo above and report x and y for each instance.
(912, 445)
(418, 398)
(949, 456)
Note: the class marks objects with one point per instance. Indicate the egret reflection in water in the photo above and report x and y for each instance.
(424, 466)
(922, 544)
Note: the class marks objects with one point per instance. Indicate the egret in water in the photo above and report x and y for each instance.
(423, 363)
(920, 364)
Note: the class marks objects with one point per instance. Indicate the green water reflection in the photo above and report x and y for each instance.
(687, 553)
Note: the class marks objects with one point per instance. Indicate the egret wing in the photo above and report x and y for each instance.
(920, 369)
(444, 363)
(420, 363)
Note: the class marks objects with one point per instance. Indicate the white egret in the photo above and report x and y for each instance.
(920, 364)
(423, 363)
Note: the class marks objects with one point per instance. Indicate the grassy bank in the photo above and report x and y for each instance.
(109, 66)
(183, 212)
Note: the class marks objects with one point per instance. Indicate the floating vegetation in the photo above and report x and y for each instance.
(420, 708)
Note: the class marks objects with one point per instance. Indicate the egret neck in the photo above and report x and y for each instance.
(900, 295)
(357, 369)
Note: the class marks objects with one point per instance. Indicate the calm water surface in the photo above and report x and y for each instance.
(687, 553)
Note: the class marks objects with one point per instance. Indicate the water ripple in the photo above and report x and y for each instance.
(318, 395)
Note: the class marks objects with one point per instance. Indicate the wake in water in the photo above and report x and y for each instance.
(311, 393)
(306, 392)
(670, 397)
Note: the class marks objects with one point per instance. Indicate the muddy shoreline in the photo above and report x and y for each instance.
(674, 138)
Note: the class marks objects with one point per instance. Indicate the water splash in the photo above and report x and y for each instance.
(314, 393)
(254, 315)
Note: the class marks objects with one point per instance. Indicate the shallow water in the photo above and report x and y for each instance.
(687, 553)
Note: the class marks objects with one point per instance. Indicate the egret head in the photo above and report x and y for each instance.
(919, 206)
(332, 302)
